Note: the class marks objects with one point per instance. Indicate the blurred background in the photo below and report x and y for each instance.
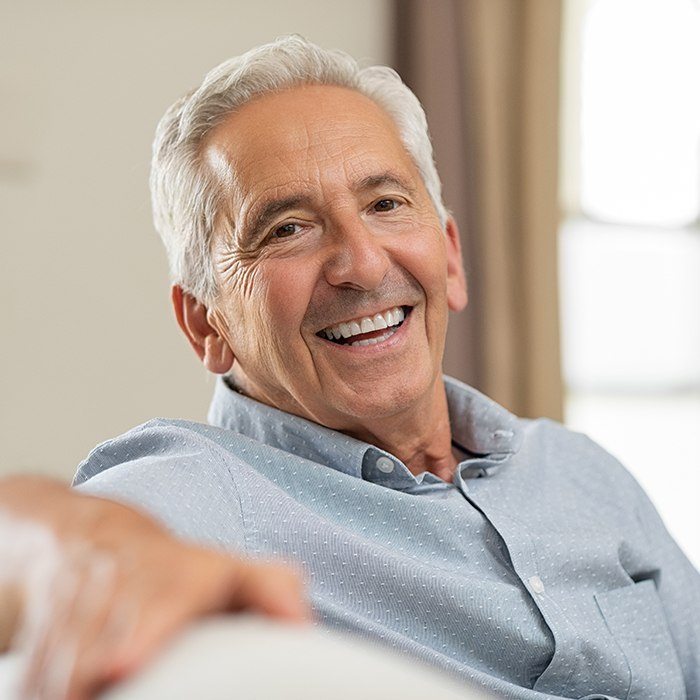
(567, 133)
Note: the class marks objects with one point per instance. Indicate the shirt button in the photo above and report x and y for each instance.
(536, 584)
(505, 434)
(385, 464)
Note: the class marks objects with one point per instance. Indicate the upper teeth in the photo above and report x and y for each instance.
(366, 324)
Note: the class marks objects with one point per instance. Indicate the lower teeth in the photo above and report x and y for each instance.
(378, 339)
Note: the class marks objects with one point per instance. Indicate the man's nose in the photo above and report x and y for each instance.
(356, 256)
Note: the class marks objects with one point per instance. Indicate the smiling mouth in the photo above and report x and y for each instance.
(367, 330)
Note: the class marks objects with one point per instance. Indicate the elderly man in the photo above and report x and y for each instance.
(314, 265)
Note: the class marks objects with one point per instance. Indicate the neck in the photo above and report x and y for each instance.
(421, 438)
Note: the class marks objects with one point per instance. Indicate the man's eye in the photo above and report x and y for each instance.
(286, 230)
(385, 205)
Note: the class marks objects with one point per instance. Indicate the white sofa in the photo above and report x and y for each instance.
(252, 658)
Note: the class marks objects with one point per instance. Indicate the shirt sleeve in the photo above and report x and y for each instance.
(176, 476)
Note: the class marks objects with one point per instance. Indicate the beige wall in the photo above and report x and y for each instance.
(89, 345)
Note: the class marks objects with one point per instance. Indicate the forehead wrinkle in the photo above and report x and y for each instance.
(231, 167)
(363, 171)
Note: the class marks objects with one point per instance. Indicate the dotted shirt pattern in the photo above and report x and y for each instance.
(541, 571)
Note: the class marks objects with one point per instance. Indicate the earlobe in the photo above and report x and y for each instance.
(197, 323)
(456, 278)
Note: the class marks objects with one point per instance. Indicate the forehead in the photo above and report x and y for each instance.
(304, 138)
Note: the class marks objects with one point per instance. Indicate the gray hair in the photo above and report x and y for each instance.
(185, 194)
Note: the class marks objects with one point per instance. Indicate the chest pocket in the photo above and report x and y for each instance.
(635, 619)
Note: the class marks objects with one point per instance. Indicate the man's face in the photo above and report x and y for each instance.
(331, 232)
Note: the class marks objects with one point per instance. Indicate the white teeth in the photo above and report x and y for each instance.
(385, 319)
(374, 341)
(379, 322)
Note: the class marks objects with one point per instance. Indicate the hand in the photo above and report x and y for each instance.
(102, 587)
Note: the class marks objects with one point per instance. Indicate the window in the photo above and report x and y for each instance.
(630, 243)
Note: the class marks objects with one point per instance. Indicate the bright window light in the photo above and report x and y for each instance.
(630, 248)
(632, 307)
(640, 123)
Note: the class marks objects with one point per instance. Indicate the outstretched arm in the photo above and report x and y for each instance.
(92, 588)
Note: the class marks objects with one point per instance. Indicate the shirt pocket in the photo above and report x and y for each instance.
(636, 620)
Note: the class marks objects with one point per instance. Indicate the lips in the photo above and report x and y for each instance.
(366, 330)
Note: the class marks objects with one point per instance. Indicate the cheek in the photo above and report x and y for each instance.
(281, 295)
(425, 257)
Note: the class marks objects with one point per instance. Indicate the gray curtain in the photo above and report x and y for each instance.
(487, 72)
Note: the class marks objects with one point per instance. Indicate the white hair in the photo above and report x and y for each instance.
(184, 192)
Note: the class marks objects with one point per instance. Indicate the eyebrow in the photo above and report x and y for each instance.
(386, 178)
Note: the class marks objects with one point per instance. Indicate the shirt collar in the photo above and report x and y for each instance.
(478, 423)
(479, 426)
(232, 410)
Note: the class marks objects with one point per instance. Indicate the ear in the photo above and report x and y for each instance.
(195, 320)
(456, 279)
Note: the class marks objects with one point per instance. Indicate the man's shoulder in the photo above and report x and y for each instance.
(562, 454)
(158, 442)
(184, 474)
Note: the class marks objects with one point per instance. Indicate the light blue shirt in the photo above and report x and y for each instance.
(542, 570)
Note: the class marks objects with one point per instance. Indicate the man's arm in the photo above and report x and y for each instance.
(92, 588)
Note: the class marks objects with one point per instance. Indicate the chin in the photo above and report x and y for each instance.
(379, 400)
